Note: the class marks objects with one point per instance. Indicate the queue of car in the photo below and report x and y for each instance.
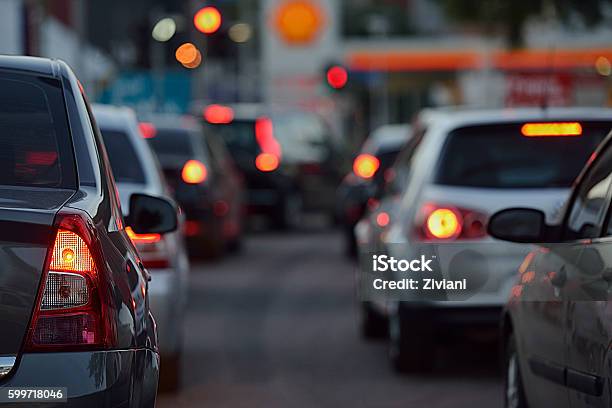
(475, 186)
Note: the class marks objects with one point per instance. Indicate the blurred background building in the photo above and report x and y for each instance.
(400, 55)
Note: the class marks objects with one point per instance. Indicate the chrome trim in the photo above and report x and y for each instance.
(6, 365)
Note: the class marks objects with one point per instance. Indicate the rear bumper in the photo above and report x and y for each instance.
(119, 378)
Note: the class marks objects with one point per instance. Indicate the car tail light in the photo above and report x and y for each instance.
(266, 162)
(436, 222)
(366, 166)
(551, 129)
(219, 114)
(152, 249)
(147, 130)
(194, 172)
(72, 309)
(269, 158)
(383, 219)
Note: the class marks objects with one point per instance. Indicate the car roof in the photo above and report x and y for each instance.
(110, 116)
(31, 65)
(466, 116)
(387, 137)
(171, 121)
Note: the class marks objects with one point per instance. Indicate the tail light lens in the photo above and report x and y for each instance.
(194, 172)
(71, 310)
(447, 223)
(366, 166)
(153, 249)
(269, 158)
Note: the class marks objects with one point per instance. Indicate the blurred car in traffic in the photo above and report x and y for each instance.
(203, 179)
(291, 162)
(469, 164)
(556, 323)
(74, 306)
(136, 171)
(364, 184)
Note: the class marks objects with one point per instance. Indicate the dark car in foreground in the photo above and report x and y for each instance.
(557, 329)
(74, 307)
(203, 179)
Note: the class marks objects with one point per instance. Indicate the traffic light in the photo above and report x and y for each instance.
(207, 20)
(336, 76)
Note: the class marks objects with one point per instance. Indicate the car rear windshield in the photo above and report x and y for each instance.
(499, 156)
(239, 136)
(172, 143)
(35, 145)
(123, 158)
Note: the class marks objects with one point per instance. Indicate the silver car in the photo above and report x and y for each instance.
(136, 170)
(466, 165)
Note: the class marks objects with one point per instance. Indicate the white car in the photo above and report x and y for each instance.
(136, 170)
(467, 165)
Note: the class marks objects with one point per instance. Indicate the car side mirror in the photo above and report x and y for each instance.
(523, 225)
(152, 215)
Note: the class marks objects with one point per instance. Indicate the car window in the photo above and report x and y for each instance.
(124, 160)
(35, 145)
(398, 176)
(499, 156)
(172, 142)
(587, 211)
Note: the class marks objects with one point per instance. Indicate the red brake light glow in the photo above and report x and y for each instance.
(142, 238)
(551, 129)
(269, 158)
(194, 172)
(449, 223)
(443, 223)
(218, 114)
(382, 219)
(266, 162)
(147, 130)
(366, 166)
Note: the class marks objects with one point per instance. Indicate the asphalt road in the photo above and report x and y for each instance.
(275, 326)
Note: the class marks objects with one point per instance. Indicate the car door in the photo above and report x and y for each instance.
(589, 332)
(544, 314)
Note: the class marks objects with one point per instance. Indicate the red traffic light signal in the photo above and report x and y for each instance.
(337, 76)
(207, 20)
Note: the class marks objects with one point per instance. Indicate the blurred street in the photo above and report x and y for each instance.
(276, 326)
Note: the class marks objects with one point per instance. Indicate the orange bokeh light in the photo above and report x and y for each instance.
(266, 162)
(187, 53)
(299, 21)
(194, 172)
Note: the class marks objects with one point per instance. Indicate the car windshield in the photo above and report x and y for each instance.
(123, 158)
(35, 147)
(499, 156)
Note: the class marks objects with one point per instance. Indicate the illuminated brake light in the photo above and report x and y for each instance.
(218, 114)
(444, 223)
(366, 166)
(70, 311)
(436, 222)
(551, 129)
(194, 172)
(382, 219)
(147, 130)
(266, 162)
(142, 238)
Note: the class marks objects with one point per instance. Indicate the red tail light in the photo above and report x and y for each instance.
(449, 223)
(194, 172)
(147, 130)
(218, 114)
(152, 249)
(366, 166)
(269, 158)
(72, 309)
